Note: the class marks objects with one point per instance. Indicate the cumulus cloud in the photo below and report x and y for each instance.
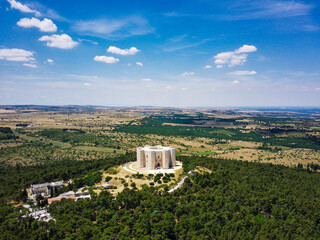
(236, 57)
(242, 73)
(119, 51)
(139, 64)
(235, 82)
(46, 25)
(106, 59)
(187, 73)
(207, 67)
(31, 65)
(63, 41)
(87, 84)
(230, 58)
(146, 79)
(219, 66)
(246, 49)
(23, 7)
(15, 54)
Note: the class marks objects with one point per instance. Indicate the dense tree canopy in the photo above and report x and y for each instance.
(15, 179)
(237, 200)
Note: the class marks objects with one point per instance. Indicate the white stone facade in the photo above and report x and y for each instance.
(156, 157)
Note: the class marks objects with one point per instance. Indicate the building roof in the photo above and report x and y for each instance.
(47, 184)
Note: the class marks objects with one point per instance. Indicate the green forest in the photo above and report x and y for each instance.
(153, 125)
(6, 133)
(237, 200)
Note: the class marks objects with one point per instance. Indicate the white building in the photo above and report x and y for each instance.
(44, 188)
(156, 157)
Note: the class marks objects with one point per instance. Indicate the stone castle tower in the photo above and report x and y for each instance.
(153, 157)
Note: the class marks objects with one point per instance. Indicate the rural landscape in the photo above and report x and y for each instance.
(159, 120)
(253, 168)
(38, 135)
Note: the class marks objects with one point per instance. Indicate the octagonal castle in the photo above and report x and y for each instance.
(154, 157)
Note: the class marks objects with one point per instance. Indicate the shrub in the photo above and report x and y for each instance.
(108, 178)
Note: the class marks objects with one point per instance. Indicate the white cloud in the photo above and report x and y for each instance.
(184, 89)
(50, 61)
(116, 50)
(115, 28)
(180, 42)
(235, 82)
(219, 66)
(271, 10)
(207, 67)
(87, 84)
(129, 64)
(236, 57)
(87, 40)
(106, 59)
(187, 73)
(46, 25)
(146, 79)
(246, 49)
(15, 54)
(255, 9)
(23, 7)
(139, 64)
(242, 73)
(63, 41)
(223, 58)
(31, 65)
(317, 89)
(169, 87)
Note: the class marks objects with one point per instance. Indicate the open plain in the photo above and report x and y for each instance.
(44, 134)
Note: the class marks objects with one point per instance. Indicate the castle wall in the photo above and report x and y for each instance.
(141, 158)
(166, 158)
(156, 157)
(173, 157)
(150, 159)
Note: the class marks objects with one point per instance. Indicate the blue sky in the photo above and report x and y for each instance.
(160, 53)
